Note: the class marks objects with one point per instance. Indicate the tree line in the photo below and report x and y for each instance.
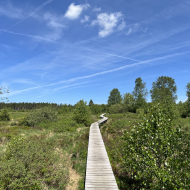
(28, 106)
(163, 91)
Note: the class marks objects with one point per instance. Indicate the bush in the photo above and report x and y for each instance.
(96, 109)
(23, 121)
(46, 114)
(82, 113)
(139, 111)
(21, 110)
(156, 154)
(27, 164)
(13, 123)
(116, 108)
(4, 115)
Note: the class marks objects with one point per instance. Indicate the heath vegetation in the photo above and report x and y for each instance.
(44, 146)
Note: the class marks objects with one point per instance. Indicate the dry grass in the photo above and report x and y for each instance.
(74, 178)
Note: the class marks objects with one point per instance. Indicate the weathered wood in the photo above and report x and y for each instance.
(99, 174)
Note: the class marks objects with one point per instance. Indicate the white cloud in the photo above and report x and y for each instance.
(10, 11)
(96, 9)
(74, 11)
(53, 21)
(23, 81)
(108, 23)
(86, 19)
(133, 29)
(121, 26)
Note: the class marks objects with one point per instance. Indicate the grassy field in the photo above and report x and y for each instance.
(48, 156)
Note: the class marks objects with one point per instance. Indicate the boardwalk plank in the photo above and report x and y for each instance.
(99, 174)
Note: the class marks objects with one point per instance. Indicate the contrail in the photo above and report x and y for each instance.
(37, 9)
(30, 36)
(101, 73)
(112, 54)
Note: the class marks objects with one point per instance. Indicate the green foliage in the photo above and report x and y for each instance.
(182, 109)
(8, 133)
(115, 97)
(138, 111)
(13, 123)
(4, 90)
(156, 154)
(116, 108)
(163, 88)
(91, 103)
(184, 122)
(188, 90)
(46, 114)
(96, 109)
(82, 113)
(129, 102)
(21, 110)
(65, 125)
(187, 103)
(79, 156)
(28, 164)
(4, 115)
(23, 121)
(140, 92)
(65, 109)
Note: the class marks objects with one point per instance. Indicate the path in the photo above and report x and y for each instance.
(99, 174)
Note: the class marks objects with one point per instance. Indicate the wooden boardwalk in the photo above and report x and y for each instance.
(99, 174)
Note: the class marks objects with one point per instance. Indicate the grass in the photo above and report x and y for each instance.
(65, 144)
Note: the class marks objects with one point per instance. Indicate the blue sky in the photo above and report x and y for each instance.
(64, 51)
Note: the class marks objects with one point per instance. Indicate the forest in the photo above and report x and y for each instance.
(44, 145)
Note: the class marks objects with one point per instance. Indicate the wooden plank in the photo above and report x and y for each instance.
(99, 174)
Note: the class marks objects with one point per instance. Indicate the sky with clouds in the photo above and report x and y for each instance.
(64, 51)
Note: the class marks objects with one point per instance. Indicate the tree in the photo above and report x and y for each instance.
(188, 91)
(140, 92)
(4, 90)
(156, 153)
(115, 97)
(116, 108)
(82, 113)
(91, 103)
(164, 88)
(96, 109)
(4, 115)
(188, 99)
(129, 101)
(182, 109)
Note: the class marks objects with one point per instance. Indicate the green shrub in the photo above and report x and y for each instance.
(116, 108)
(82, 113)
(13, 123)
(21, 110)
(139, 111)
(4, 115)
(46, 114)
(96, 109)
(70, 126)
(156, 154)
(23, 121)
(28, 164)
